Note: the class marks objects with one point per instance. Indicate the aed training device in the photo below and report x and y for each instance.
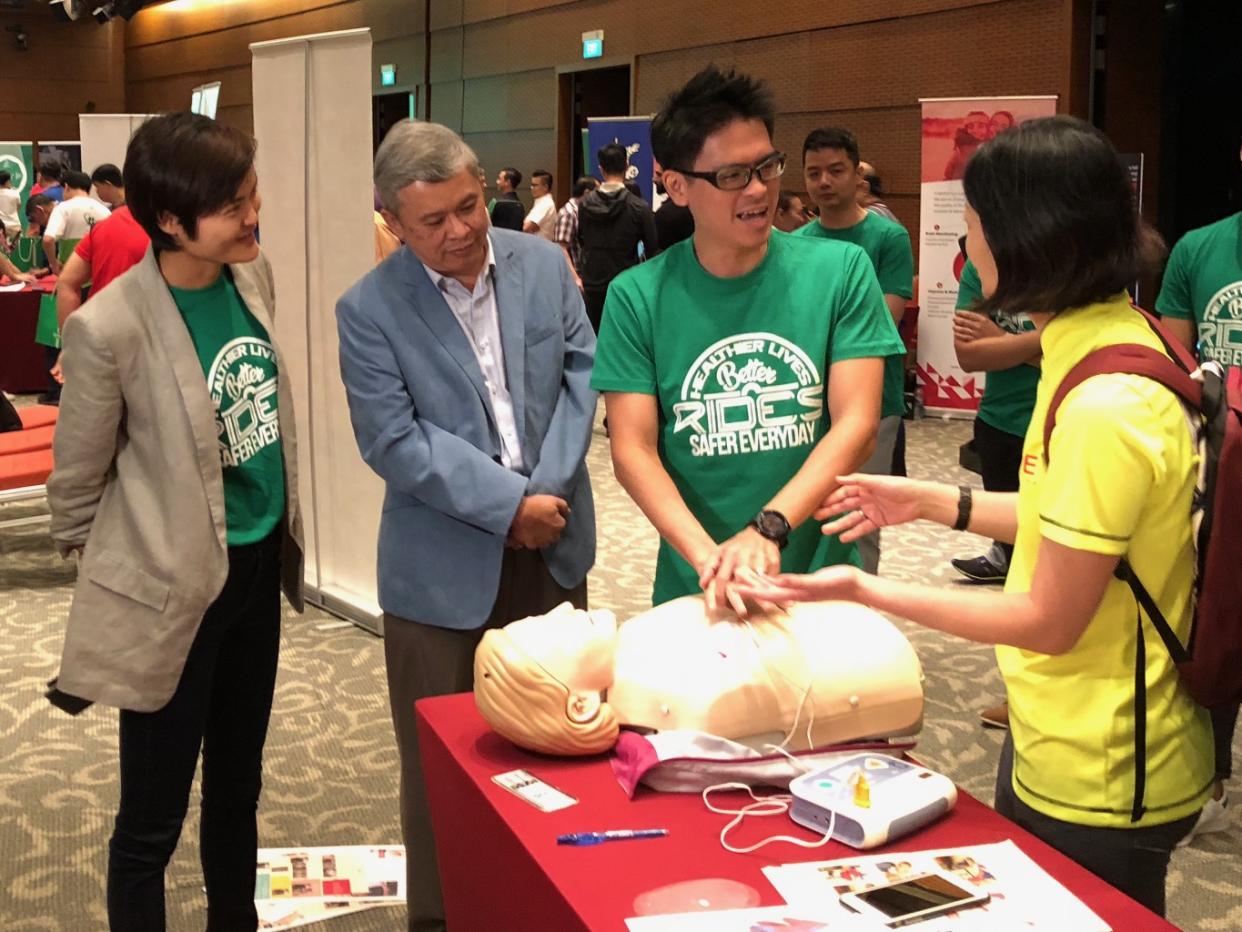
(870, 799)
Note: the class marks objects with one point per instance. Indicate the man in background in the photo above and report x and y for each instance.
(833, 175)
(51, 172)
(612, 221)
(567, 222)
(109, 185)
(870, 192)
(789, 213)
(73, 218)
(507, 211)
(542, 216)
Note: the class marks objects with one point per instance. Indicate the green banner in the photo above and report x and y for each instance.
(17, 158)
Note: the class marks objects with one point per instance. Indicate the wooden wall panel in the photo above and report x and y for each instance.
(510, 102)
(68, 68)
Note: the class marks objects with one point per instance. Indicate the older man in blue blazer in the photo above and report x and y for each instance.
(467, 360)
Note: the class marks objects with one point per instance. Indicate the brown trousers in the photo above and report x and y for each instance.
(424, 660)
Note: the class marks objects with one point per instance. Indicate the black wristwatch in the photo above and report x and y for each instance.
(774, 526)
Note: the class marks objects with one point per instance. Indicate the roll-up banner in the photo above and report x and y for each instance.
(635, 134)
(953, 128)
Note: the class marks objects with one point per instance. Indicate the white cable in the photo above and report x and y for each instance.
(776, 804)
(806, 693)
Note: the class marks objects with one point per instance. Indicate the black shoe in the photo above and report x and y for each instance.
(979, 569)
(47, 398)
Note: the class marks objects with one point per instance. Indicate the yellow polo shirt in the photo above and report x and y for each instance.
(1120, 481)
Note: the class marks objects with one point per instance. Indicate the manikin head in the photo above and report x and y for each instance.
(539, 681)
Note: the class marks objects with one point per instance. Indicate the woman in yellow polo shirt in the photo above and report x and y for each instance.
(1050, 224)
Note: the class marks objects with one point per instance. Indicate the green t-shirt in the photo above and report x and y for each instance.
(240, 365)
(1008, 394)
(887, 245)
(739, 368)
(1203, 283)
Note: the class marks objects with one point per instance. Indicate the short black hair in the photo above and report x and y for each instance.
(545, 175)
(512, 175)
(51, 168)
(77, 180)
(612, 159)
(1055, 205)
(584, 184)
(831, 137)
(185, 165)
(107, 173)
(785, 199)
(708, 102)
(875, 183)
(5, 177)
(35, 201)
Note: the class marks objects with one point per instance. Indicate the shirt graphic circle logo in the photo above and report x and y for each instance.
(1220, 333)
(242, 383)
(750, 393)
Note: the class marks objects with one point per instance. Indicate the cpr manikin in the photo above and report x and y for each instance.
(823, 674)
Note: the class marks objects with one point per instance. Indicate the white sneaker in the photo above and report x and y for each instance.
(1213, 818)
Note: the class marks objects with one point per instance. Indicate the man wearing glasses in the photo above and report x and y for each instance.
(743, 367)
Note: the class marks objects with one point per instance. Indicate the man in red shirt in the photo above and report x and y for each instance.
(109, 250)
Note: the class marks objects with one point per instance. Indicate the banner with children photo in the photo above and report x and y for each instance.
(953, 128)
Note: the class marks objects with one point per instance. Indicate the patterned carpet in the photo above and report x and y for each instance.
(330, 772)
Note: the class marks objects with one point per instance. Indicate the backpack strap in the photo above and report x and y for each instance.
(1124, 359)
(1176, 349)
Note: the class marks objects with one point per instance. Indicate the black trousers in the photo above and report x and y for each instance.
(222, 703)
(1224, 721)
(593, 298)
(424, 660)
(1134, 860)
(1000, 460)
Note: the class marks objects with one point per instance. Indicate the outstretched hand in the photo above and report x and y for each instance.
(841, 583)
(862, 504)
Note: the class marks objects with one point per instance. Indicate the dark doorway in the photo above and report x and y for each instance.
(1201, 180)
(387, 109)
(594, 92)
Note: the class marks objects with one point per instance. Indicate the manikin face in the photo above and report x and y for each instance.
(226, 236)
(740, 219)
(979, 253)
(574, 647)
(832, 180)
(444, 223)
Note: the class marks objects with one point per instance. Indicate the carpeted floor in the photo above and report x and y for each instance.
(331, 766)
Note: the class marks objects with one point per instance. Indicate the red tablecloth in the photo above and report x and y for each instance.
(22, 369)
(500, 866)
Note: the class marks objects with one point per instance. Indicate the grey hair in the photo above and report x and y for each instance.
(417, 151)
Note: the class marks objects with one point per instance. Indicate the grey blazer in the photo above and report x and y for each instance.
(137, 486)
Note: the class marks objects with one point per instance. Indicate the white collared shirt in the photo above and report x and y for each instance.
(479, 318)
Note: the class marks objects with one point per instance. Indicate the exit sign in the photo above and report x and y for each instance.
(388, 75)
(593, 44)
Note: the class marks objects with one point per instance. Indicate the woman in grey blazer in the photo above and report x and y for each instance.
(175, 486)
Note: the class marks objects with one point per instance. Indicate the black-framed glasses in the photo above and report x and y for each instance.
(736, 177)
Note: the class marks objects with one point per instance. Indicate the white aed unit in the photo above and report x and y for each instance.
(874, 798)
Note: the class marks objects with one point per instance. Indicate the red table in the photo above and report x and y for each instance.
(500, 866)
(22, 366)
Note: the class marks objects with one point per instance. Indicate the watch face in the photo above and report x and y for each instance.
(772, 524)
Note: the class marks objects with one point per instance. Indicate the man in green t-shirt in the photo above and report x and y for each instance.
(725, 359)
(830, 168)
(1201, 301)
(1006, 347)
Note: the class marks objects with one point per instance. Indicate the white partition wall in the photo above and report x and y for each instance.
(105, 137)
(312, 120)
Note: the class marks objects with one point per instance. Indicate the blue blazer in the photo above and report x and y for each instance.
(424, 422)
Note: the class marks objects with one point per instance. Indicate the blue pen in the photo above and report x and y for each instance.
(596, 838)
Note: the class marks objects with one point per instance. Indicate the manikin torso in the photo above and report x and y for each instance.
(822, 674)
